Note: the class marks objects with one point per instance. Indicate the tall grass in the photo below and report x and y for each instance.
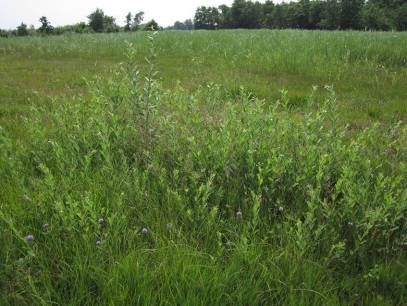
(136, 194)
(304, 47)
(367, 69)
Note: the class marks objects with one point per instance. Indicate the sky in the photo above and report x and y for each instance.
(62, 12)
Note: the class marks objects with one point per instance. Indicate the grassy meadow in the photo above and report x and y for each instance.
(204, 168)
(367, 70)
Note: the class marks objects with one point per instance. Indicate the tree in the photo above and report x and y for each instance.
(246, 14)
(268, 9)
(239, 13)
(350, 14)
(189, 25)
(374, 18)
(401, 18)
(206, 18)
(186, 25)
(330, 18)
(4, 33)
(279, 16)
(22, 30)
(100, 22)
(225, 17)
(128, 25)
(45, 27)
(301, 14)
(109, 24)
(385, 15)
(96, 20)
(315, 13)
(138, 19)
(178, 25)
(152, 25)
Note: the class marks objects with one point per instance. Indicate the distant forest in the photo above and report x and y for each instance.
(370, 15)
(381, 15)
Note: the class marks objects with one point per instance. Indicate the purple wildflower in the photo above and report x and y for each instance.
(144, 231)
(30, 238)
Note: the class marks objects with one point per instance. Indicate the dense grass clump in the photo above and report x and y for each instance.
(137, 194)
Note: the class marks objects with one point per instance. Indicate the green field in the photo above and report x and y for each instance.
(368, 70)
(204, 168)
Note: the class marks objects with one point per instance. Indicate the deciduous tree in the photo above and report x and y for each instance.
(45, 27)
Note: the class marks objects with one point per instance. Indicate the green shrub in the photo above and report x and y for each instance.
(322, 208)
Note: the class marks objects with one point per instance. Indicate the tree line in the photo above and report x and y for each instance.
(98, 22)
(377, 15)
(306, 14)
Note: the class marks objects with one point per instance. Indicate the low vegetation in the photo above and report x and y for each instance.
(135, 188)
(367, 70)
(372, 15)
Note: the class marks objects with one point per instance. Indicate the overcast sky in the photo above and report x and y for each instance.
(62, 12)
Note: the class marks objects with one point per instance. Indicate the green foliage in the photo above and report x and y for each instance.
(378, 15)
(79, 28)
(100, 22)
(302, 14)
(323, 206)
(138, 19)
(375, 18)
(305, 14)
(96, 20)
(152, 25)
(186, 25)
(46, 27)
(246, 14)
(367, 69)
(206, 18)
(129, 18)
(133, 24)
(401, 18)
(109, 25)
(22, 30)
(4, 33)
(225, 17)
(350, 11)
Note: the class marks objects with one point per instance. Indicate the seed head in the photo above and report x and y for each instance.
(101, 221)
(45, 226)
(98, 242)
(281, 209)
(239, 215)
(169, 226)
